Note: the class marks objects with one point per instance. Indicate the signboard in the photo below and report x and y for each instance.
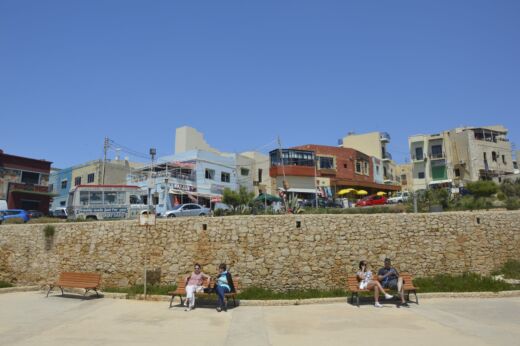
(106, 213)
(147, 219)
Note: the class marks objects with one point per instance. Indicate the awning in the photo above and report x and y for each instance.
(345, 191)
(49, 194)
(435, 182)
(301, 190)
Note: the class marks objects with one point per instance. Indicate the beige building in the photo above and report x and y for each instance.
(455, 157)
(113, 172)
(374, 144)
(405, 176)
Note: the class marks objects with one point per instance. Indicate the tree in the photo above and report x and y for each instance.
(484, 188)
(235, 199)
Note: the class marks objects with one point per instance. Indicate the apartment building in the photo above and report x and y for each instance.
(455, 157)
(374, 144)
(24, 182)
(310, 169)
(95, 172)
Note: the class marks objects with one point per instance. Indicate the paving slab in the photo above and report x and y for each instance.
(28, 318)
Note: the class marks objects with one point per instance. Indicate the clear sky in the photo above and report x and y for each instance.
(245, 72)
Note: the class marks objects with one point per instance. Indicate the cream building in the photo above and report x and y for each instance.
(455, 157)
(406, 176)
(97, 172)
(374, 144)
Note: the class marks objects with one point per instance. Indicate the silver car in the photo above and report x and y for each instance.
(189, 209)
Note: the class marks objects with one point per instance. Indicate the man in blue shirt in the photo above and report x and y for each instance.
(389, 278)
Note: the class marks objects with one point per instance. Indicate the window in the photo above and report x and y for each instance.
(62, 203)
(344, 165)
(244, 171)
(64, 184)
(494, 156)
(326, 162)
(210, 174)
(366, 168)
(90, 178)
(377, 169)
(419, 153)
(77, 181)
(457, 172)
(403, 178)
(260, 175)
(485, 157)
(225, 177)
(96, 197)
(30, 178)
(114, 197)
(358, 167)
(421, 175)
(437, 151)
(134, 199)
(51, 187)
(504, 159)
(83, 197)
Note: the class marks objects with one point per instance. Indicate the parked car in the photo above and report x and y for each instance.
(322, 203)
(189, 209)
(14, 214)
(34, 214)
(400, 197)
(371, 200)
(60, 213)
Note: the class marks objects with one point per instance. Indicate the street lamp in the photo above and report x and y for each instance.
(150, 182)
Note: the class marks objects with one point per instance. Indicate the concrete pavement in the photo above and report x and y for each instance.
(28, 318)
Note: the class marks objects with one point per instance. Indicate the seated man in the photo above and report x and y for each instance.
(389, 278)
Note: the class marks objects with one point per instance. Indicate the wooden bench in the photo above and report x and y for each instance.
(353, 287)
(87, 281)
(207, 284)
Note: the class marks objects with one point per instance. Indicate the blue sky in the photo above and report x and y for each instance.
(245, 72)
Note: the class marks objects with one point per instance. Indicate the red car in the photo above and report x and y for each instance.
(371, 200)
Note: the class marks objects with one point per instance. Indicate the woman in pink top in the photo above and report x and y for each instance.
(194, 284)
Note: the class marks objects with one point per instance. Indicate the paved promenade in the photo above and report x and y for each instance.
(28, 318)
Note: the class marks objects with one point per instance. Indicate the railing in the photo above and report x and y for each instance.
(144, 177)
(384, 136)
(387, 156)
(437, 155)
(418, 158)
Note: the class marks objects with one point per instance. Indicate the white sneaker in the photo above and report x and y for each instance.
(388, 296)
(377, 305)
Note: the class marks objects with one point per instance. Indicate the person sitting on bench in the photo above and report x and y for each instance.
(367, 282)
(223, 285)
(194, 284)
(389, 278)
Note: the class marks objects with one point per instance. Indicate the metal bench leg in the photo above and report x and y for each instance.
(97, 294)
(86, 291)
(49, 291)
(357, 297)
(61, 288)
(416, 298)
(234, 302)
(171, 300)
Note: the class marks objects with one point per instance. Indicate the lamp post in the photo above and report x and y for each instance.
(150, 210)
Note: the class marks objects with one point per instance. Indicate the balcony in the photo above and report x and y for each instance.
(387, 156)
(437, 156)
(137, 178)
(384, 136)
(418, 158)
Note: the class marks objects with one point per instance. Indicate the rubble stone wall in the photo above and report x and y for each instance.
(266, 251)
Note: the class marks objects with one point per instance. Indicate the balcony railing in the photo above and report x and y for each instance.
(384, 136)
(387, 156)
(418, 158)
(176, 175)
(437, 156)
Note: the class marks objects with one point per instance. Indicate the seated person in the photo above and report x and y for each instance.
(366, 281)
(389, 278)
(223, 285)
(194, 284)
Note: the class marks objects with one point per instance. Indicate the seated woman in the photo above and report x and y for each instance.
(223, 285)
(194, 284)
(366, 281)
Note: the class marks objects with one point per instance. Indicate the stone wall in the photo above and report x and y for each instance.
(267, 251)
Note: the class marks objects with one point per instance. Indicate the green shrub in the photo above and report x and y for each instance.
(510, 270)
(258, 293)
(483, 188)
(467, 282)
(14, 221)
(49, 231)
(513, 203)
(139, 289)
(45, 219)
(4, 284)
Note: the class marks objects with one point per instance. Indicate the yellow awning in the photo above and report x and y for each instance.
(361, 192)
(381, 193)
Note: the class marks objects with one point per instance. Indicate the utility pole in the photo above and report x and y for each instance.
(105, 149)
(284, 183)
(316, 179)
(150, 182)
